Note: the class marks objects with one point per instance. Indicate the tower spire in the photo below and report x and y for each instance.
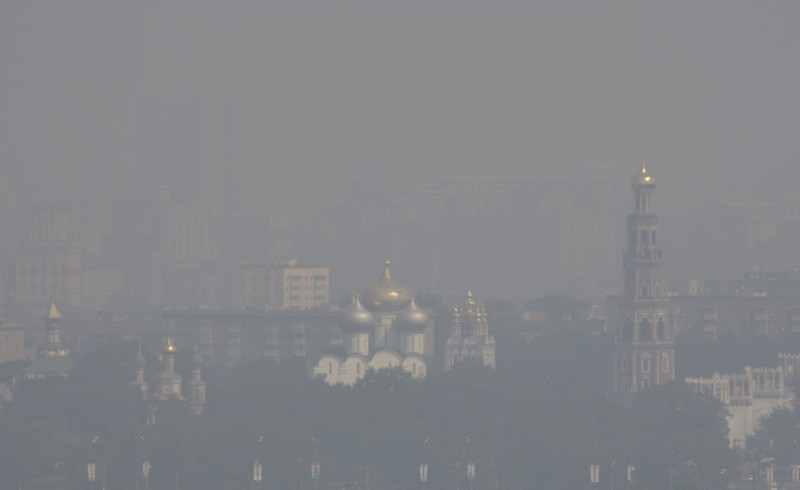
(645, 343)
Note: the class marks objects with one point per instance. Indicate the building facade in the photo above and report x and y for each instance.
(47, 263)
(644, 346)
(12, 342)
(469, 338)
(229, 337)
(288, 287)
(751, 395)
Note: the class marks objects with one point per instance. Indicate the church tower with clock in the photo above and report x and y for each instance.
(645, 344)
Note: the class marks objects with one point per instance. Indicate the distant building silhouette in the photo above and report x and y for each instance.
(12, 342)
(283, 287)
(645, 346)
(48, 264)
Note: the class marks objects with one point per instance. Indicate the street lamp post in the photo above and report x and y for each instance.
(611, 474)
(91, 466)
(470, 465)
(315, 466)
(257, 465)
(145, 464)
(423, 467)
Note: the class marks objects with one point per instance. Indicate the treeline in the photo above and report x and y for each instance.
(538, 421)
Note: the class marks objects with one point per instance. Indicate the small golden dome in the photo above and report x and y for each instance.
(386, 294)
(169, 347)
(642, 178)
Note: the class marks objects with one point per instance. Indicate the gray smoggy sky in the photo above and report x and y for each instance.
(414, 89)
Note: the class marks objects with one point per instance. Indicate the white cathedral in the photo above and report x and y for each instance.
(383, 328)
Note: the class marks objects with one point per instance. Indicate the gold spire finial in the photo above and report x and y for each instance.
(54, 313)
(470, 301)
(386, 264)
(170, 346)
(644, 169)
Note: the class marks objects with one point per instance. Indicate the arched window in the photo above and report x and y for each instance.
(661, 329)
(645, 329)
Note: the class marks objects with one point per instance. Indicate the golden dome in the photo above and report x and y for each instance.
(642, 178)
(386, 294)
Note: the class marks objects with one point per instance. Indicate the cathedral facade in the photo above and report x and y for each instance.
(168, 383)
(383, 328)
(469, 337)
(645, 343)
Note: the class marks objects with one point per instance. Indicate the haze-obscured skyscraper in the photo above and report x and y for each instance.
(48, 265)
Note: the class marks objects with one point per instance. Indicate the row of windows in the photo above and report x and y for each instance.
(645, 364)
(307, 288)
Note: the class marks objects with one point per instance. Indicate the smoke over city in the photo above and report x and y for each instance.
(195, 189)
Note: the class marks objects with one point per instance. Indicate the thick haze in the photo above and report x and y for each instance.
(294, 100)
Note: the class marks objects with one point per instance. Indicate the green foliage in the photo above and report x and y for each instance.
(538, 421)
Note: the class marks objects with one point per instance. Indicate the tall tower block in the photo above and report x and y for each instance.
(645, 344)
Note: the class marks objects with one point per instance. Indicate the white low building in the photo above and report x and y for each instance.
(749, 396)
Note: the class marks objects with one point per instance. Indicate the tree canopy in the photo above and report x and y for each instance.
(539, 420)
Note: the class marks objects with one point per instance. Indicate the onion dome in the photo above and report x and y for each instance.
(356, 317)
(386, 294)
(642, 178)
(139, 359)
(412, 317)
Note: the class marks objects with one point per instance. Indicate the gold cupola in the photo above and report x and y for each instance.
(642, 178)
(386, 294)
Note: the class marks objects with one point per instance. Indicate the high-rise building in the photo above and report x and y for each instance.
(284, 287)
(12, 341)
(48, 265)
(645, 346)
